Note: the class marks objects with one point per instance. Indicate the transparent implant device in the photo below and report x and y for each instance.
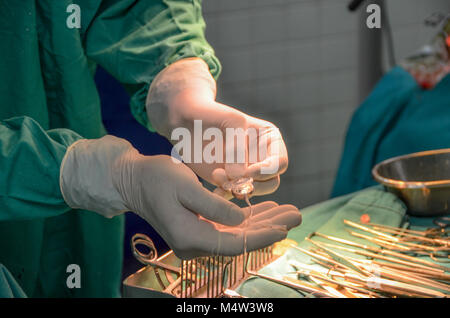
(240, 188)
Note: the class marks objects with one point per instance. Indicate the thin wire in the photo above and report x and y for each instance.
(246, 198)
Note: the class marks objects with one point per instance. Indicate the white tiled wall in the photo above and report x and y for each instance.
(294, 62)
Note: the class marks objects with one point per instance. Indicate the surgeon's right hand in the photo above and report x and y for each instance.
(109, 176)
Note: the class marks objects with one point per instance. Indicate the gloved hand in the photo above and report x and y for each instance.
(109, 176)
(185, 92)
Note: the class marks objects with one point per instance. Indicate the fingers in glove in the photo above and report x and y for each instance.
(272, 212)
(224, 194)
(212, 206)
(230, 244)
(236, 170)
(235, 125)
(219, 176)
(268, 226)
(268, 168)
(203, 237)
(266, 187)
(286, 220)
(260, 208)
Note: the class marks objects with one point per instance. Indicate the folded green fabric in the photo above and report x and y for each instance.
(9, 288)
(327, 218)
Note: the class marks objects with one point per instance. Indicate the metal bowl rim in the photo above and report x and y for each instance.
(410, 184)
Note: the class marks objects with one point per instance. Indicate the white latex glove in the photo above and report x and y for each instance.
(109, 176)
(184, 92)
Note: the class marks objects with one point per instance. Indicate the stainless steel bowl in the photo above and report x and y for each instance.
(421, 180)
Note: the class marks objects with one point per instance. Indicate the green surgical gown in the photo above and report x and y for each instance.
(48, 100)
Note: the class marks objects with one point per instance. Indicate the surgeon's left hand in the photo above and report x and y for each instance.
(185, 92)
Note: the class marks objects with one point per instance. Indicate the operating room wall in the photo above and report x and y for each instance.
(295, 63)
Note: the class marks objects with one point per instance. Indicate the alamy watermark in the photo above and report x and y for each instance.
(373, 20)
(232, 146)
(73, 20)
(74, 278)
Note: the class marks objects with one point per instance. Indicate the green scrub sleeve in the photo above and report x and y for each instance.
(134, 40)
(29, 169)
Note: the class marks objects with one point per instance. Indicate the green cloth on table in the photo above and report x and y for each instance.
(327, 218)
(48, 100)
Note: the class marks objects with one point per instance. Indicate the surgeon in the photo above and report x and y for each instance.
(65, 184)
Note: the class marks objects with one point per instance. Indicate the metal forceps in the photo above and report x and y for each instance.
(151, 258)
(442, 222)
(394, 238)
